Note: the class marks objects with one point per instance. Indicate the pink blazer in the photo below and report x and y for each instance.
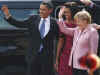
(83, 42)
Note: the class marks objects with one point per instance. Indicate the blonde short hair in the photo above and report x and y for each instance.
(83, 15)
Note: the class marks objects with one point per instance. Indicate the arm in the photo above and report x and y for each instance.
(94, 38)
(59, 47)
(21, 24)
(12, 20)
(96, 26)
(91, 4)
(64, 29)
(94, 9)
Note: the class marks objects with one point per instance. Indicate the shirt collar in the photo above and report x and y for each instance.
(87, 28)
(47, 19)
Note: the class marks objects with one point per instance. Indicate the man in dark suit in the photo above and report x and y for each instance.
(42, 32)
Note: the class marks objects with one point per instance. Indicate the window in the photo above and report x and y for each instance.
(13, 40)
(19, 14)
(12, 45)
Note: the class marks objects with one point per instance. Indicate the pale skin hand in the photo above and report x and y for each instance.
(61, 12)
(56, 66)
(96, 26)
(90, 72)
(86, 2)
(5, 10)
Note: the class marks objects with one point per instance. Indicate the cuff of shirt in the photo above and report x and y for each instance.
(7, 17)
(60, 19)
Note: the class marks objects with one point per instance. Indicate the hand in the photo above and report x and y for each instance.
(86, 2)
(61, 12)
(5, 10)
(56, 66)
(96, 26)
(90, 72)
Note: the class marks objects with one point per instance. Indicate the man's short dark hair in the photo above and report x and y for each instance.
(48, 4)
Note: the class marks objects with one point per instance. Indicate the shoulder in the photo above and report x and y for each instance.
(34, 16)
(93, 31)
(93, 34)
(53, 20)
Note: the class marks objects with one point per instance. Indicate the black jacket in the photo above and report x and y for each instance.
(95, 11)
(34, 34)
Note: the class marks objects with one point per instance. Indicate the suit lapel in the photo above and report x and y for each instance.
(51, 24)
(37, 22)
(50, 27)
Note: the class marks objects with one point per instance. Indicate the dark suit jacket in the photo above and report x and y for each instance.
(95, 12)
(34, 35)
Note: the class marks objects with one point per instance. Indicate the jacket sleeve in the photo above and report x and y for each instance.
(64, 29)
(94, 38)
(21, 24)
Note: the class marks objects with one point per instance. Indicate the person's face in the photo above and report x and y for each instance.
(67, 13)
(81, 23)
(44, 11)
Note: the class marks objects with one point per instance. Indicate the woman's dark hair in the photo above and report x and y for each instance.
(73, 6)
(48, 4)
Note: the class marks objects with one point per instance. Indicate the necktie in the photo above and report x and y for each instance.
(42, 31)
(42, 28)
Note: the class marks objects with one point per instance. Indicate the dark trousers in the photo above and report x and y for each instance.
(97, 72)
(79, 72)
(42, 64)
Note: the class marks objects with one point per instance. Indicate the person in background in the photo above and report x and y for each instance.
(42, 32)
(85, 39)
(93, 8)
(65, 41)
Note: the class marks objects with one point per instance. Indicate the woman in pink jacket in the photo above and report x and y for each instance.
(85, 39)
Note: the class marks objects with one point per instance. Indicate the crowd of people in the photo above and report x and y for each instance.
(75, 30)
